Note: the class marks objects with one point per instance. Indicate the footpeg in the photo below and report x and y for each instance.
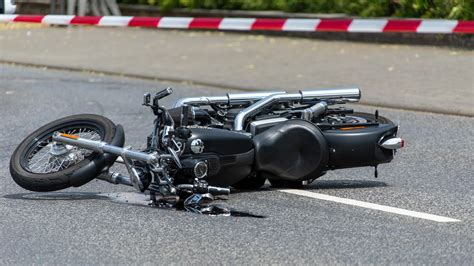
(166, 195)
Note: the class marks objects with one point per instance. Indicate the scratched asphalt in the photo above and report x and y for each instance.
(101, 223)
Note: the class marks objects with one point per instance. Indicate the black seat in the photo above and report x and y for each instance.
(294, 150)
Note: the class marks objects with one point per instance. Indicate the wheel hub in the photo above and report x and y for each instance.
(58, 149)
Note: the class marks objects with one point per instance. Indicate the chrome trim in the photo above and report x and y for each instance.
(337, 95)
(314, 111)
(197, 146)
(258, 106)
(196, 169)
(115, 178)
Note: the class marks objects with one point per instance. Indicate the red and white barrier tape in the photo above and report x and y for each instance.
(252, 24)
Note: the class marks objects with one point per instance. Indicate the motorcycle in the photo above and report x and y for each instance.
(203, 145)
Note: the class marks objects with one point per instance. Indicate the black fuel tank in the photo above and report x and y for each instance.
(220, 141)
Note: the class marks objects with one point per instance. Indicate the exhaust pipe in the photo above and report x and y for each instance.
(343, 95)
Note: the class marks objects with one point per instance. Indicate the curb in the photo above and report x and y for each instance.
(203, 83)
(259, 24)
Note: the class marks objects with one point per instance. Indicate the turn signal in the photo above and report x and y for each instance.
(393, 143)
(69, 136)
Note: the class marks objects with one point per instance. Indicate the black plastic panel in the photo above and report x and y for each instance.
(358, 147)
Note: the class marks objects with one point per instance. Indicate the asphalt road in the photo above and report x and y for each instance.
(107, 224)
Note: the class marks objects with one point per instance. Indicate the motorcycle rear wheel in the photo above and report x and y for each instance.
(40, 164)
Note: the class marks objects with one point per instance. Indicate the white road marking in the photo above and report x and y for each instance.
(368, 205)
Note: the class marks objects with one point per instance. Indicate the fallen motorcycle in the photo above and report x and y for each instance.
(203, 145)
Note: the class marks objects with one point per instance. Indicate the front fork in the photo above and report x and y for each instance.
(161, 183)
(126, 155)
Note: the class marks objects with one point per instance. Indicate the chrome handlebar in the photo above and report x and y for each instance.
(210, 189)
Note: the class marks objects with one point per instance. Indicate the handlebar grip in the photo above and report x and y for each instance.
(213, 190)
(186, 186)
(218, 190)
(162, 94)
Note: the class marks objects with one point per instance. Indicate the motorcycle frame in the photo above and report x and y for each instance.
(157, 160)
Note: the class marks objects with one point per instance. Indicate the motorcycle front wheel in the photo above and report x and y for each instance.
(41, 164)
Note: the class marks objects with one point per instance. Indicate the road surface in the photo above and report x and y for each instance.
(108, 224)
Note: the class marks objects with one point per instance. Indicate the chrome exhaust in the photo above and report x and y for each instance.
(115, 178)
(342, 95)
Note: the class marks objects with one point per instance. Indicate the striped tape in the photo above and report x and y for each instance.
(253, 24)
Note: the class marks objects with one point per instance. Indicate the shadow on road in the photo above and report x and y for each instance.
(57, 196)
(345, 184)
(320, 184)
(128, 198)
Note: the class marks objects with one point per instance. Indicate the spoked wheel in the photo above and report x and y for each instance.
(47, 156)
(41, 164)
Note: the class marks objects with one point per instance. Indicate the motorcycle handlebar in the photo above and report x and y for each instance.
(210, 189)
(162, 94)
(218, 190)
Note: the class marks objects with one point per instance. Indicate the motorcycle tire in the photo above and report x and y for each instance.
(278, 183)
(40, 164)
(371, 117)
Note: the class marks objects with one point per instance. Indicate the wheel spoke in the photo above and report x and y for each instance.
(45, 159)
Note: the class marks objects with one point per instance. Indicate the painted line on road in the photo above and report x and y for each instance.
(368, 205)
